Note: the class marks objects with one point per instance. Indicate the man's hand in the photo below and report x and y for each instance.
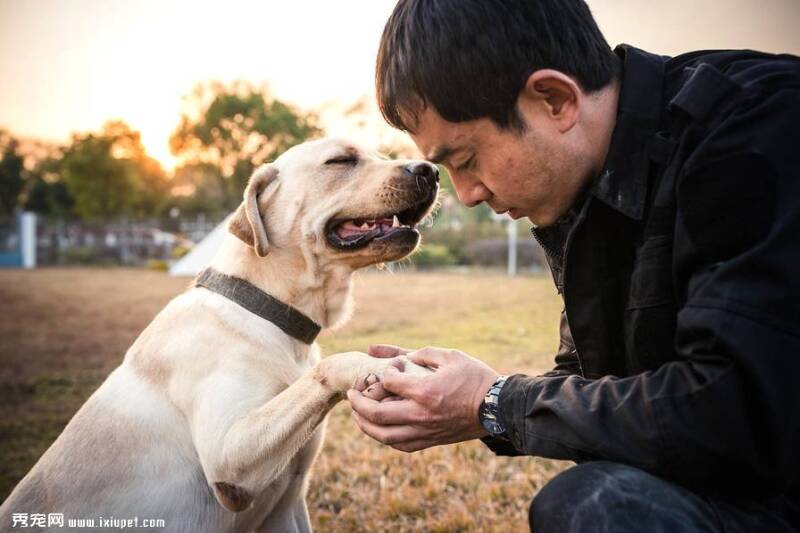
(440, 408)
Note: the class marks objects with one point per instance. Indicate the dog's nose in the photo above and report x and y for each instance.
(422, 169)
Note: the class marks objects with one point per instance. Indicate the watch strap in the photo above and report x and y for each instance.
(489, 409)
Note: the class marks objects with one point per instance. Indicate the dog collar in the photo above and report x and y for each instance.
(287, 318)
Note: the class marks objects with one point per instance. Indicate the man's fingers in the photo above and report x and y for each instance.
(386, 350)
(385, 413)
(393, 398)
(430, 357)
(377, 392)
(402, 384)
(413, 445)
(364, 384)
(391, 435)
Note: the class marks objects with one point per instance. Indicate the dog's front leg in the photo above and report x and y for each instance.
(256, 448)
(290, 514)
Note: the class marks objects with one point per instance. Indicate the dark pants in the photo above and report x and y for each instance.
(604, 496)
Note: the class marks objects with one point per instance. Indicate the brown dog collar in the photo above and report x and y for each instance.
(287, 318)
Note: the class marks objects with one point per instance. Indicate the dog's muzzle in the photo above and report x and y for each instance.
(421, 187)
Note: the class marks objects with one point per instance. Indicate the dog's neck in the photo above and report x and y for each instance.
(320, 291)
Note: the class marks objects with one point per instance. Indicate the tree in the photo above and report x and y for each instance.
(12, 168)
(200, 188)
(101, 184)
(151, 188)
(235, 129)
(109, 174)
(46, 192)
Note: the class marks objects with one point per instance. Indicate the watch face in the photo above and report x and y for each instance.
(492, 426)
(488, 415)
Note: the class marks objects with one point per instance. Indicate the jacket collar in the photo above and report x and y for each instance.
(622, 183)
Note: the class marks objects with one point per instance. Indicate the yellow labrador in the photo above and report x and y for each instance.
(213, 419)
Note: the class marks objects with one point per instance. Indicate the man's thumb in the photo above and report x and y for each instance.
(405, 385)
(386, 350)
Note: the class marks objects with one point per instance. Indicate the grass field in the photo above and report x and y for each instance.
(63, 330)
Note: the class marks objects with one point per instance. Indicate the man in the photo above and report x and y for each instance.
(666, 194)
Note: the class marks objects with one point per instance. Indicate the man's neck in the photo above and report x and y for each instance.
(600, 122)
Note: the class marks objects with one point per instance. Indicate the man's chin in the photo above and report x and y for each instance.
(516, 214)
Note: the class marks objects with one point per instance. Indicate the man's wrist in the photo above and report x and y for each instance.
(488, 413)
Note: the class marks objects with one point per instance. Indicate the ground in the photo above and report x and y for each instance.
(63, 330)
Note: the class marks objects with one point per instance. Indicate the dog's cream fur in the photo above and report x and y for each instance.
(215, 416)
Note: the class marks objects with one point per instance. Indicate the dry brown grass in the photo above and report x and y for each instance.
(63, 330)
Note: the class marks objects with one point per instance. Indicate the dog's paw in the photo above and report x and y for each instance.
(358, 370)
(368, 381)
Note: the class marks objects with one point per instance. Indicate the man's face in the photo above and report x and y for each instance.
(536, 173)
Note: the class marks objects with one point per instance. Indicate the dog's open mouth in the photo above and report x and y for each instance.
(354, 233)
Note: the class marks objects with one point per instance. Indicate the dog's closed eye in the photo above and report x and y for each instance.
(348, 159)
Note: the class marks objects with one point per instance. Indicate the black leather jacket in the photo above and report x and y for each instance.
(680, 274)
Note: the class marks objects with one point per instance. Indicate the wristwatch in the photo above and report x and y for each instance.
(487, 414)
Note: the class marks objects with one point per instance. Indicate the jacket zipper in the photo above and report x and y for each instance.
(567, 244)
(545, 247)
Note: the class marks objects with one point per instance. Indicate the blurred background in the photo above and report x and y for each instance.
(127, 132)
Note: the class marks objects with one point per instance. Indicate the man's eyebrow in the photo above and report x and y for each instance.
(441, 154)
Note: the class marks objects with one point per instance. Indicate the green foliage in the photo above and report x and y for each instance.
(100, 183)
(456, 226)
(109, 174)
(46, 192)
(209, 190)
(12, 169)
(158, 265)
(433, 255)
(180, 251)
(233, 130)
(82, 255)
(38, 196)
(152, 193)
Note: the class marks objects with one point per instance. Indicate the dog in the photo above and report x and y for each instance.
(214, 418)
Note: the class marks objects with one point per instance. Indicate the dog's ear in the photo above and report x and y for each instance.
(247, 222)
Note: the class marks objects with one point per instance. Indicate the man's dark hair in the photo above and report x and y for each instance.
(470, 59)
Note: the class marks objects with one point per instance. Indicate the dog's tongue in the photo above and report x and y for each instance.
(353, 229)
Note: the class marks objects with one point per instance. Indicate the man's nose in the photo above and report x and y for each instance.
(470, 192)
(424, 170)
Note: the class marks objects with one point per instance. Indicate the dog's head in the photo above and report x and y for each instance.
(339, 201)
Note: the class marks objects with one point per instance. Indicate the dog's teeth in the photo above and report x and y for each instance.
(365, 226)
(395, 222)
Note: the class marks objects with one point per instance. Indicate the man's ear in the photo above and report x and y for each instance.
(553, 95)
(247, 223)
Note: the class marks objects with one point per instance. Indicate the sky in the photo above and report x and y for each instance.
(70, 65)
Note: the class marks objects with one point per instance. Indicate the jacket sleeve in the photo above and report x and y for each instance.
(726, 411)
(567, 363)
